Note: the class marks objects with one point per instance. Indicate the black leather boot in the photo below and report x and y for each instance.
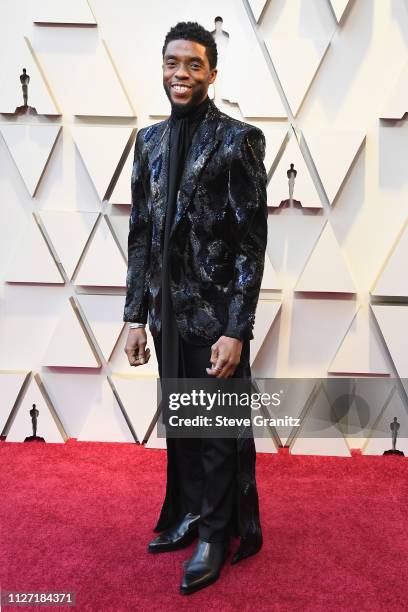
(179, 536)
(204, 566)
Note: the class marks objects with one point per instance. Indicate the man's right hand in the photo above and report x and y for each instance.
(135, 348)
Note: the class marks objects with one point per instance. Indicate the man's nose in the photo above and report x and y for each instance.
(181, 72)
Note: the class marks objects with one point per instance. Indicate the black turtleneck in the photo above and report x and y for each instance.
(183, 123)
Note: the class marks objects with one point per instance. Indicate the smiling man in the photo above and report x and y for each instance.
(196, 249)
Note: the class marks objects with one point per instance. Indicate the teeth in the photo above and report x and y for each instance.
(180, 87)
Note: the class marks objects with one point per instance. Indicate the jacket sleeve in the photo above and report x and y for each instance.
(249, 226)
(139, 239)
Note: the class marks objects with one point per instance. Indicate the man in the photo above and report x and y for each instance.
(196, 248)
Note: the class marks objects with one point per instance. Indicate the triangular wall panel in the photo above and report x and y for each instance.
(304, 190)
(103, 264)
(11, 383)
(266, 313)
(360, 352)
(397, 103)
(296, 61)
(339, 7)
(326, 270)
(91, 140)
(68, 232)
(30, 146)
(69, 12)
(119, 225)
(139, 397)
(257, 6)
(333, 153)
(104, 314)
(317, 434)
(245, 57)
(270, 280)
(356, 404)
(69, 346)
(39, 266)
(393, 323)
(393, 281)
(105, 421)
(122, 193)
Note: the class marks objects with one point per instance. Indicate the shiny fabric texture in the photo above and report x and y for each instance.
(217, 249)
(219, 232)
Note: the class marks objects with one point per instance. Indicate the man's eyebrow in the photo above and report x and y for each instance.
(194, 58)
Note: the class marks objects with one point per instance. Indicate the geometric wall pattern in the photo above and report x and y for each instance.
(30, 146)
(72, 12)
(327, 82)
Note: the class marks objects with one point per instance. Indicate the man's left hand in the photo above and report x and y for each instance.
(225, 357)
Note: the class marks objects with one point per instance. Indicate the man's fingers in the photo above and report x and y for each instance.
(223, 368)
(217, 366)
(141, 357)
(214, 355)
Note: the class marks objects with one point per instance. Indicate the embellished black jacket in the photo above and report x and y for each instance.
(219, 232)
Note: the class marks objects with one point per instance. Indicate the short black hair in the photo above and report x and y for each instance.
(191, 30)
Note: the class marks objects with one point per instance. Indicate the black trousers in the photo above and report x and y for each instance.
(206, 467)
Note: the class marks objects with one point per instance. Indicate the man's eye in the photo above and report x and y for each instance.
(195, 66)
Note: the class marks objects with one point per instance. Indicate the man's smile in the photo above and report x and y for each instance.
(180, 88)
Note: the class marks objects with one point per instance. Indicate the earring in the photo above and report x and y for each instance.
(213, 91)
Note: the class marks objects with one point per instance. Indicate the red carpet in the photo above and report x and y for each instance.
(78, 517)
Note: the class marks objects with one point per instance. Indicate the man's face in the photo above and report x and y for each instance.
(186, 73)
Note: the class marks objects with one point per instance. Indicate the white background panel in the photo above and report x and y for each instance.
(104, 316)
(91, 141)
(266, 313)
(69, 346)
(393, 323)
(10, 385)
(333, 154)
(361, 351)
(30, 146)
(63, 11)
(39, 267)
(68, 233)
(104, 420)
(139, 397)
(391, 281)
(103, 264)
(81, 71)
(326, 269)
(304, 189)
